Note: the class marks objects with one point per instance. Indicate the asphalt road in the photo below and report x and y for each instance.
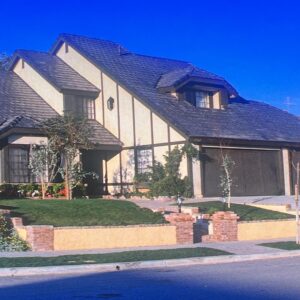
(269, 279)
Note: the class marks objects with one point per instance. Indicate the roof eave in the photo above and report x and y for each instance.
(242, 142)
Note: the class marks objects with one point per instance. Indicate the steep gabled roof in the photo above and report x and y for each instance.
(241, 120)
(17, 99)
(23, 109)
(57, 72)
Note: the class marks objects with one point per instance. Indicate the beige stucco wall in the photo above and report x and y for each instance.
(160, 130)
(128, 165)
(86, 70)
(110, 116)
(27, 140)
(77, 238)
(126, 117)
(40, 85)
(176, 136)
(142, 123)
(266, 230)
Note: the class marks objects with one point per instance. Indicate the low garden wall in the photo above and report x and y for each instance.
(49, 238)
(271, 229)
(77, 238)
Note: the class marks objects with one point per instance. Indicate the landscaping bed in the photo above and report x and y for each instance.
(245, 212)
(127, 256)
(290, 245)
(81, 212)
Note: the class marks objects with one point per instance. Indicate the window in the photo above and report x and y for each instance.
(202, 99)
(79, 106)
(89, 108)
(143, 160)
(18, 165)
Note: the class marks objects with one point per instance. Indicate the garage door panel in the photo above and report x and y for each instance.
(256, 172)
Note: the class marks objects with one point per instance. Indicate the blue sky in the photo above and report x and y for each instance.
(254, 44)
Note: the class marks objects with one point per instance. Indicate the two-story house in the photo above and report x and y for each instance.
(140, 107)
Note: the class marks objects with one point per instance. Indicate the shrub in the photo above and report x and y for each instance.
(9, 239)
(165, 180)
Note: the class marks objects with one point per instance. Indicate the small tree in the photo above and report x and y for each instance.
(68, 135)
(44, 165)
(226, 177)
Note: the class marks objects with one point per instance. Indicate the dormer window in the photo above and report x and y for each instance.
(202, 99)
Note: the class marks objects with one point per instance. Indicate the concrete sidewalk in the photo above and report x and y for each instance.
(238, 248)
(269, 200)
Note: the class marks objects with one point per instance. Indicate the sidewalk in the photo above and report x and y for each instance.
(238, 248)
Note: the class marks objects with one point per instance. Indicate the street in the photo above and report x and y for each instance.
(269, 279)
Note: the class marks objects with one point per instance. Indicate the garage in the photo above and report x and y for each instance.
(255, 172)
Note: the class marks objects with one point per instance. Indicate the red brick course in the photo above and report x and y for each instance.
(40, 238)
(184, 227)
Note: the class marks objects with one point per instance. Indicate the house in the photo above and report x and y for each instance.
(141, 107)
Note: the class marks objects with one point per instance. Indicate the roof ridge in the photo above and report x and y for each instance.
(163, 58)
(89, 37)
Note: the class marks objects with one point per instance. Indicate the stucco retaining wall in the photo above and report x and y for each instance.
(259, 230)
(76, 238)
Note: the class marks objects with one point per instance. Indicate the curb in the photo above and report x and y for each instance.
(97, 268)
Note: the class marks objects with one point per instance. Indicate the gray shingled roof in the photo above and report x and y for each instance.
(22, 108)
(17, 99)
(57, 72)
(242, 120)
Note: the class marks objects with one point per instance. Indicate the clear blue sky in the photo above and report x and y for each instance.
(254, 44)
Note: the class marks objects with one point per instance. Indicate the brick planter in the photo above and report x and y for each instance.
(225, 227)
(184, 227)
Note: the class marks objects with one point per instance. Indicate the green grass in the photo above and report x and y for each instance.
(245, 212)
(81, 212)
(127, 256)
(282, 245)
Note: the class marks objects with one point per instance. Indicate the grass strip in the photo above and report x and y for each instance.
(118, 257)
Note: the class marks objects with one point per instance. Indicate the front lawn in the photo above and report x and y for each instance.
(245, 212)
(127, 256)
(81, 212)
(290, 245)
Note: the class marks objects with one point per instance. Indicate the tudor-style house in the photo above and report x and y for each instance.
(140, 107)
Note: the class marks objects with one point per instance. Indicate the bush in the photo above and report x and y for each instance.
(9, 239)
(165, 180)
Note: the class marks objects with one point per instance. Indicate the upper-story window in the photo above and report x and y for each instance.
(79, 106)
(198, 98)
(202, 99)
